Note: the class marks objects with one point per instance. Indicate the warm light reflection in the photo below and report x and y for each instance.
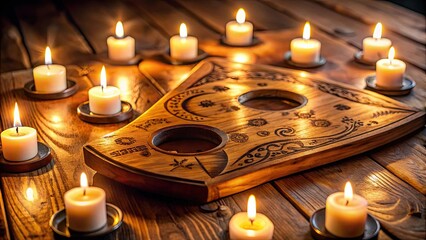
(303, 74)
(307, 31)
(184, 76)
(242, 57)
(103, 78)
(251, 208)
(348, 192)
(29, 194)
(16, 117)
(48, 56)
(377, 31)
(391, 54)
(183, 32)
(123, 83)
(83, 180)
(56, 119)
(241, 16)
(119, 30)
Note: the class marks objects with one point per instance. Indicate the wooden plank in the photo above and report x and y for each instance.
(394, 203)
(53, 30)
(329, 21)
(397, 19)
(4, 226)
(168, 18)
(167, 218)
(58, 126)
(14, 55)
(97, 21)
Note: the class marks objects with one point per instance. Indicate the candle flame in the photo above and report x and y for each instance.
(119, 31)
(377, 31)
(83, 180)
(241, 16)
(103, 78)
(348, 192)
(16, 118)
(183, 32)
(251, 208)
(48, 56)
(29, 194)
(391, 54)
(307, 31)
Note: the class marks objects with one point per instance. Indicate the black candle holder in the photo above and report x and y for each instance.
(287, 59)
(201, 54)
(407, 85)
(84, 113)
(30, 91)
(132, 61)
(254, 41)
(42, 158)
(319, 232)
(58, 223)
(359, 58)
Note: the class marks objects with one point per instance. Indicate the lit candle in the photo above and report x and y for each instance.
(250, 225)
(345, 213)
(104, 99)
(50, 78)
(376, 47)
(239, 32)
(182, 46)
(19, 143)
(120, 48)
(305, 50)
(390, 72)
(85, 207)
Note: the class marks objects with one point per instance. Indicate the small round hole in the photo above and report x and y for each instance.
(272, 100)
(188, 139)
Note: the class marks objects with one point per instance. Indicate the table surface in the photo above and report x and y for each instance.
(392, 178)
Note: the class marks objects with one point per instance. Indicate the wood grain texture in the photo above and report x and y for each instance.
(394, 203)
(395, 18)
(4, 226)
(328, 21)
(155, 152)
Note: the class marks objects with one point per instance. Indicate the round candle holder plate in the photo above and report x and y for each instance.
(84, 113)
(30, 91)
(132, 61)
(42, 158)
(200, 56)
(359, 58)
(58, 223)
(255, 41)
(287, 58)
(318, 231)
(407, 85)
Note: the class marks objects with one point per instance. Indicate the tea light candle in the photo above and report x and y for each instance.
(249, 225)
(19, 143)
(85, 207)
(239, 32)
(390, 72)
(104, 99)
(346, 213)
(120, 48)
(182, 46)
(50, 78)
(376, 47)
(305, 50)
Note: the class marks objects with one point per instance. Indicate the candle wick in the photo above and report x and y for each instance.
(48, 66)
(102, 88)
(17, 130)
(84, 192)
(347, 202)
(251, 221)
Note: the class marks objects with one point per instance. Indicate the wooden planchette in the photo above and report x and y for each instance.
(230, 127)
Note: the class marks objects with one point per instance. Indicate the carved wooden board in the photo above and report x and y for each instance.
(212, 137)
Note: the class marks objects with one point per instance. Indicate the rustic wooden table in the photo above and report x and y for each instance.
(392, 178)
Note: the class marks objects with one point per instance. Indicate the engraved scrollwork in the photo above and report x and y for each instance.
(181, 164)
(284, 131)
(257, 122)
(239, 137)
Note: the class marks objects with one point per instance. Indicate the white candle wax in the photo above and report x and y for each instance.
(183, 47)
(390, 72)
(19, 143)
(104, 99)
(345, 220)
(239, 32)
(250, 225)
(376, 47)
(50, 78)
(305, 50)
(85, 207)
(19, 146)
(120, 48)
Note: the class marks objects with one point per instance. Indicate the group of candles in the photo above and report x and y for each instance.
(346, 213)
